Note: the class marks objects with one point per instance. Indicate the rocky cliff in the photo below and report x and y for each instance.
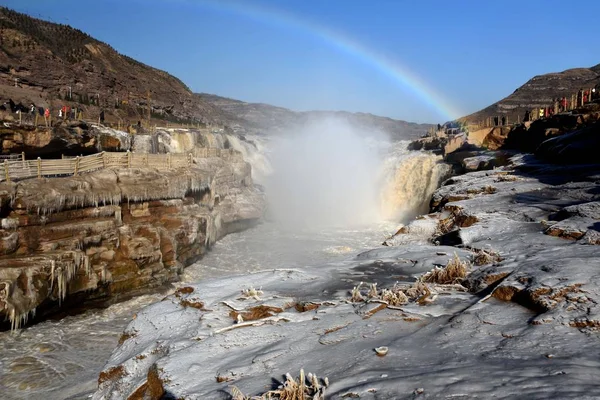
(104, 236)
(258, 118)
(565, 138)
(540, 91)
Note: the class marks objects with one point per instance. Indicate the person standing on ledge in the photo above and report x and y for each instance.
(503, 120)
(102, 116)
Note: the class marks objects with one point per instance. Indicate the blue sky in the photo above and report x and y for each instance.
(338, 54)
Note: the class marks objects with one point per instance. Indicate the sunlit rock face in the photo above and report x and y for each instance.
(540, 91)
(114, 233)
(64, 138)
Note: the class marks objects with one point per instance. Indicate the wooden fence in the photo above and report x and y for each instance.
(23, 169)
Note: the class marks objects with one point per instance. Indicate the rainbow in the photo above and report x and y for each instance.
(397, 72)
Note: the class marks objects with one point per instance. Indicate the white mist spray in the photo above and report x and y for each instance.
(325, 174)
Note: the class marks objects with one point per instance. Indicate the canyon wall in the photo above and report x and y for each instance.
(105, 236)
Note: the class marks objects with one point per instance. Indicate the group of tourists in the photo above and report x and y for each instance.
(559, 105)
(564, 104)
(68, 112)
(498, 121)
(32, 112)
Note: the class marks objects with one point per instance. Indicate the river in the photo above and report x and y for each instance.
(62, 359)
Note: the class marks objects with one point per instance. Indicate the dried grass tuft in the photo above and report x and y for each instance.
(484, 257)
(454, 272)
(506, 178)
(252, 293)
(356, 295)
(489, 189)
(395, 296)
(398, 295)
(305, 387)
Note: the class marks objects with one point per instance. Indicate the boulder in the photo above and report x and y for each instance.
(577, 147)
(496, 138)
(428, 143)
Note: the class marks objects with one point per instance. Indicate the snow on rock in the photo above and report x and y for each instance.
(527, 328)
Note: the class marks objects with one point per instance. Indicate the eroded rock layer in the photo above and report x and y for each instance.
(111, 234)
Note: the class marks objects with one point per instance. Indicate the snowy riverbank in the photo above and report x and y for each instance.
(442, 341)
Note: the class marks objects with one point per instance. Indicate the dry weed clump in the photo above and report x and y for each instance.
(304, 388)
(444, 225)
(458, 218)
(252, 293)
(454, 272)
(484, 257)
(506, 178)
(255, 313)
(398, 295)
(489, 189)
(394, 296)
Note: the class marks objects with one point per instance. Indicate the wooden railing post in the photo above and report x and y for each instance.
(190, 159)
(76, 166)
(6, 170)
(146, 159)
(128, 159)
(39, 167)
(169, 160)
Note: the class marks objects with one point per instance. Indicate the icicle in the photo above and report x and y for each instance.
(60, 281)
(52, 268)
(86, 265)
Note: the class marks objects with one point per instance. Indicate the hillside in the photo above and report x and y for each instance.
(540, 91)
(52, 64)
(259, 118)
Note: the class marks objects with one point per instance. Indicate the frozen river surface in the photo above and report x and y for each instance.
(62, 359)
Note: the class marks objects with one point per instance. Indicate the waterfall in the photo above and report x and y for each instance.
(328, 171)
(333, 174)
(408, 181)
(183, 141)
(256, 152)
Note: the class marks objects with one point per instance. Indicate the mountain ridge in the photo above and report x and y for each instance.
(538, 92)
(52, 65)
(259, 118)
